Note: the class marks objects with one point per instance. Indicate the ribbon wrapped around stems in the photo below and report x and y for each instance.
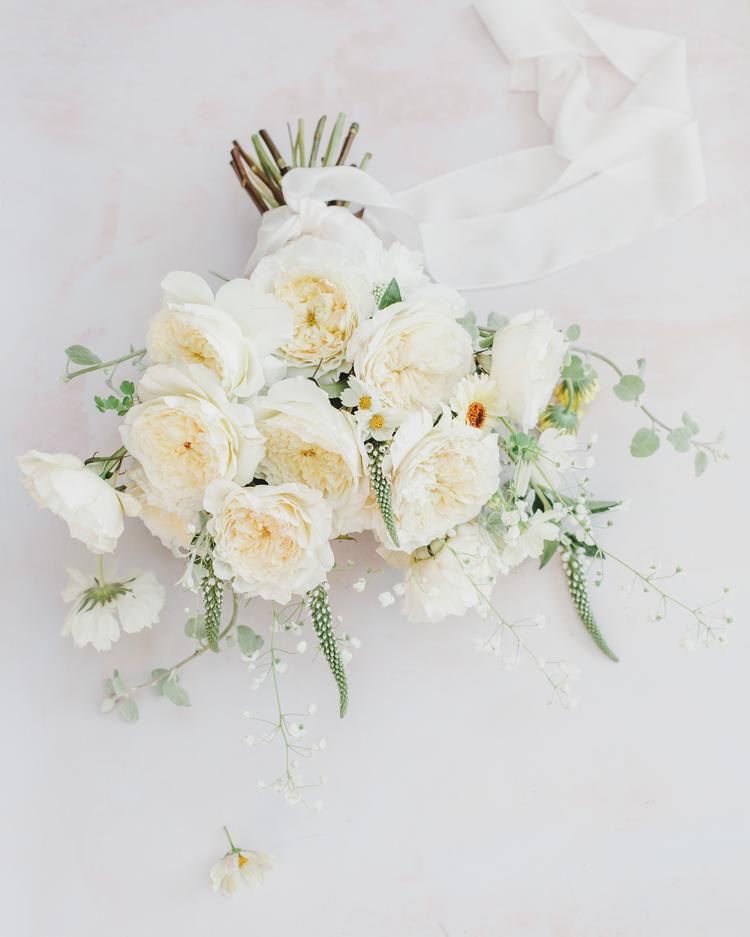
(605, 178)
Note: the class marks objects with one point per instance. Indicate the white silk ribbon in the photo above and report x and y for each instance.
(605, 178)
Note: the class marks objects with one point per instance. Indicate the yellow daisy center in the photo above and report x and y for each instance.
(241, 860)
(377, 421)
(365, 402)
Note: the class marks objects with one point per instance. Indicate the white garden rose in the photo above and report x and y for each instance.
(414, 354)
(449, 577)
(270, 540)
(527, 357)
(309, 441)
(173, 523)
(440, 477)
(231, 334)
(328, 295)
(186, 434)
(91, 507)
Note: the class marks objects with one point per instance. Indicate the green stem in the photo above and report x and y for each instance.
(103, 365)
(644, 410)
(229, 838)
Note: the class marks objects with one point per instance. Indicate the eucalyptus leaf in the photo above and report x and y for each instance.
(118, 685)
(680, 439)
(391, 295)
(574, 370)
(496, 321)
(599, 507)
(550, 548)
(79, 354)
(334, 390)
(630, 387)
(195, 627)
(469, 322)
(701, 462)
(573, 332)
(107, 704)
(160, 674)
(128, 709)
(248, 641)
(690, 425)
(176, 693)
(644, 443)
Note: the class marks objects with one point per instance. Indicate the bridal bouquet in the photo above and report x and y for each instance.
(332, 390)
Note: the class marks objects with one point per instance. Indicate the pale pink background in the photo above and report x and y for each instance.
(458, 804)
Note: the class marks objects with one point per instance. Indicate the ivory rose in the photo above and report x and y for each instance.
(440, 477)
(91, 507)
(186, 434)
(527, 357)
(271, 540)
(328, 295)
(414, 353)
(309, 441)
(232, 334)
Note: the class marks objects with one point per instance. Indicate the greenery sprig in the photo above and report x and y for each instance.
(320, 615)
(376, 452)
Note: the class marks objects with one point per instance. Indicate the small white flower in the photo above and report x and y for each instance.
(547, 462)
(386, 599)
(377, 424)
(477, 402)
(101, 609)
(359, 584)
(301, 647)
(360, 396)
(530, 542)
(91, 507)
(246, 866)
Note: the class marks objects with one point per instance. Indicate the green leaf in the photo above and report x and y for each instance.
(176, 693)
(195, 627)
(573, 332)
(335, 389)
(469, 322)
(128, 709)
(127, 388)
(550, 548)
(79, 354)
(644, 443)
(248, 640)
(107, 704)
(496, 321)
(160, 674)
(599, 507)
(641, 362)
(630, 387)
(391, 295)
(701, 462)
(118, 686)
(690, 425)
(680, 439)
(574, 370)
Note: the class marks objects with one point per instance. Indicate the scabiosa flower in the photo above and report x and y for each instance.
(246, 866)
(477, 402)
(100, 609)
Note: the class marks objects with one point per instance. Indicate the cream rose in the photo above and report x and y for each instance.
(309, 441)
(527, 357)
(270, 540)
(231, 334)
(449, 577)
(186, 434)
(440, 477)
(328, 296)
(90, 506)
(173, 523)
(414, 353)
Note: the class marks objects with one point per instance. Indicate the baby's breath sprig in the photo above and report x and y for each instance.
(376, 452)
(320, 614)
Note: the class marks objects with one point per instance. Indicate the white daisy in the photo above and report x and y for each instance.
(360, 396)
(477, 402)
(380, 423)
(247, 866)
(100, 609)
